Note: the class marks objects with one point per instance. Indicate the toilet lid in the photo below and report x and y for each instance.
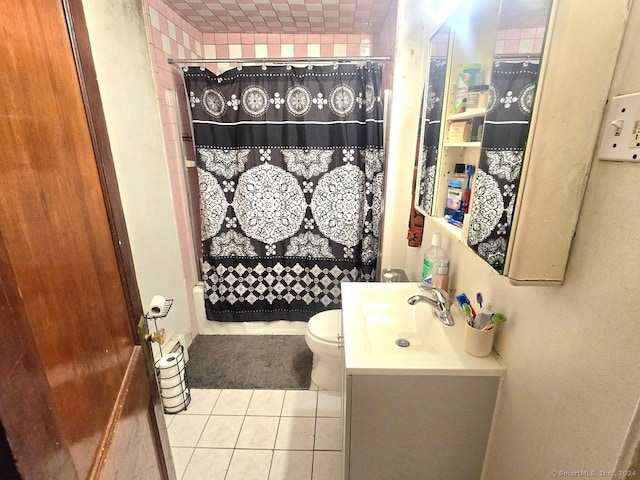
(326, 325)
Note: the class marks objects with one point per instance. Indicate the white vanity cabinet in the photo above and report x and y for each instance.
(429, 427)
(532, 221)
(419, 412)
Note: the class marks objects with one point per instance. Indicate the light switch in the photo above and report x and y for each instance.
(620, 136)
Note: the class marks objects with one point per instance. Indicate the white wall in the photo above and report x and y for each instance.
(413, 28)
(120, 52)
(571, 353)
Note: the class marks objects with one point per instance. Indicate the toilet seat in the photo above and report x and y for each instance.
(326, 326)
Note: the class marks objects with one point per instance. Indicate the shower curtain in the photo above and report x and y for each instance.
(433, 115)
(290, 165)
(511, 97)
(428, 151)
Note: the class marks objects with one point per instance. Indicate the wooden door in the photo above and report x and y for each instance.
(76, 398)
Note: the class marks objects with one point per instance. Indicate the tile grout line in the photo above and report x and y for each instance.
(200, 437)
(315, 433)
(239, 431)
(275, 440)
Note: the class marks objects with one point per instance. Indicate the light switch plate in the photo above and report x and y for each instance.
(620, 136)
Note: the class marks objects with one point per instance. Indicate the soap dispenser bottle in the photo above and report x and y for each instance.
(432, 258)
(441, 277)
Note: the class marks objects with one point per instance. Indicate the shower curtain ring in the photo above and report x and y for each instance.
(288, 66)
(239, 67)
(335, 65)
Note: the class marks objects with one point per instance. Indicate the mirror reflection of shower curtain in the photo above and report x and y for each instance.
(511, 97)
(433, 115)
(290, 162)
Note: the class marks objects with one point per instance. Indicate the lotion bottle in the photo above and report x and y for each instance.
(432, 258)
(441, 277)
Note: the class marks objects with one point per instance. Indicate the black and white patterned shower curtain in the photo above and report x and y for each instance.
(511, 97)
(290, 164)
(432, 123)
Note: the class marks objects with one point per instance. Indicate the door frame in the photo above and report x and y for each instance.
(87, 78)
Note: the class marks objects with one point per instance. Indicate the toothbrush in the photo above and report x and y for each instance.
(462, 299)
(479, 298)
(496, 319)
(466, 308)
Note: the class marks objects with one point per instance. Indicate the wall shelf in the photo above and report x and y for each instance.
(470, 113)
(462, 144)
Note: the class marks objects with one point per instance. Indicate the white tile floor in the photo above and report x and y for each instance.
(258, 435)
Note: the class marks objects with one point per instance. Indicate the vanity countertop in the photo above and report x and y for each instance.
(375, 315)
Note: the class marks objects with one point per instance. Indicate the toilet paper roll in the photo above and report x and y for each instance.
(166, 384)
(175, 399)
(156, 306)
(171, 369)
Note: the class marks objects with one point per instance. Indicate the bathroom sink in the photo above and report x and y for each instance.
(385, 335)
(394, 327)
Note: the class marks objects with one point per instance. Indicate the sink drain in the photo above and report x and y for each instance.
(402, 342)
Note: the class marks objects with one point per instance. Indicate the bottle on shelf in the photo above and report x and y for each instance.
(433, 257)
(466, 195)
(455, 193)
(471, 75)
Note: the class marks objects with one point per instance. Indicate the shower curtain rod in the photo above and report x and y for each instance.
(517, 56)
(284, 60)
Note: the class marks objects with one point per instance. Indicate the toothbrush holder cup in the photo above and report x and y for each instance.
(478, 342)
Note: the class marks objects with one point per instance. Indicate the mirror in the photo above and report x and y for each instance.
(476, 120)
(432, 116)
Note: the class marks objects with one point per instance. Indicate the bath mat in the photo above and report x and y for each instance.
(249, 361)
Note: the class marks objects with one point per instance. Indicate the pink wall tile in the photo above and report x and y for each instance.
(511, 46)
(208, 38)
(326, 38)
(326, 49)
(248, 51)
(274, 50)
(537, 45)
(512, 33)
(157, 38)
(222, 51)
(353, 49)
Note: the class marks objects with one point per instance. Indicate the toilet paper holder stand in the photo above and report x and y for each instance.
(172, 402)
(158, 336)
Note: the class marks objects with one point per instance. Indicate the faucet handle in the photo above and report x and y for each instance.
(440, 294)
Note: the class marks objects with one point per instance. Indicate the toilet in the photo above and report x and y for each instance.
(322, 334)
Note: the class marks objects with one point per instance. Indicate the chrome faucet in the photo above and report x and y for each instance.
(439, 302)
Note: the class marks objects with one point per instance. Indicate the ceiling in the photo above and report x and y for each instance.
(283, 16)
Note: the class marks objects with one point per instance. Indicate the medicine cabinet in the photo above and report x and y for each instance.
(531, 145)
